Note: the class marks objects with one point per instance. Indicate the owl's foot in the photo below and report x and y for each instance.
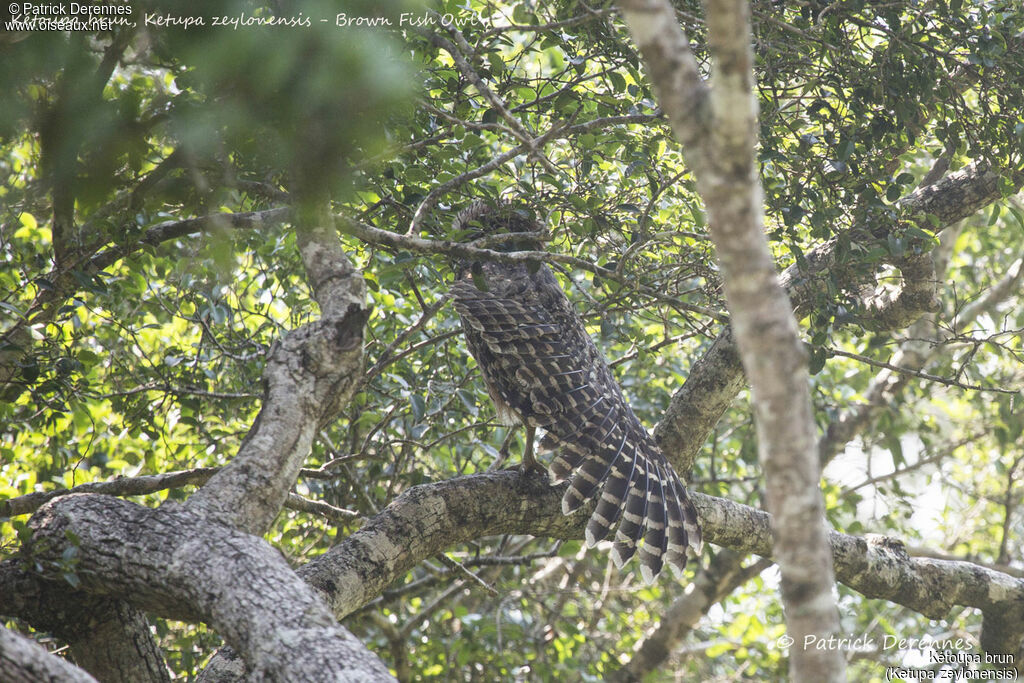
(531, 477)
(532, 465)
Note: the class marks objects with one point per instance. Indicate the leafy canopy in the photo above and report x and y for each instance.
(136, 356)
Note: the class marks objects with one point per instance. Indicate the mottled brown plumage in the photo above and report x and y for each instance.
(542, 369)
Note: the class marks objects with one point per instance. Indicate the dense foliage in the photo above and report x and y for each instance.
(124, 356)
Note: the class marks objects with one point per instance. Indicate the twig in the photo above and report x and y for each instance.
(459, 568)
(461, 250)
(319, 507)
(918, 373)
(122, 486)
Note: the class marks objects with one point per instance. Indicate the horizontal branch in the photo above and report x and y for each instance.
(151, 483)
(922, 551)
(911, 372)
(122, 486)
(170, 230)
(430, 518)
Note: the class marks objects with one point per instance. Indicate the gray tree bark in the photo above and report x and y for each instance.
(718, 128)
(25, 661)
(199, 561)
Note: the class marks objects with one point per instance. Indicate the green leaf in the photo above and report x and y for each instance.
(87, 357)
(469, 401)
(994, 215)
(11, 308)
(1006, 187)
(477, 272)
(699, 220)
(419, 407)
(817, 360)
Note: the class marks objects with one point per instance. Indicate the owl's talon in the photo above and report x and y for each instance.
(531, 464)
(529, 476)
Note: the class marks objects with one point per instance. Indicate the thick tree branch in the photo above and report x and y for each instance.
(956, 196)
(114, 641)
(187, 561)
(24, 661)
(309, 375)
(107, 637)
(714, 380)
(899, 307)
(429, 518)
(770, 347)
(175, 562)
(432, 517)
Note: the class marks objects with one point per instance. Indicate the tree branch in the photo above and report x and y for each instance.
(123, 486)
(175, 562)
(106, 636)
(16, 341)
(309, 375)
(372, 235)
(711, 585)
(682, 93)
(917, 294)
(25, 661)
(913, 357)
(761, 315)
(717, 377)
(427, 519)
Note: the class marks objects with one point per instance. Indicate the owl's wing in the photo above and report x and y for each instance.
(523, 354)
(544, 365)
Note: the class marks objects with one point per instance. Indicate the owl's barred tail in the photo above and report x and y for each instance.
(642, 496)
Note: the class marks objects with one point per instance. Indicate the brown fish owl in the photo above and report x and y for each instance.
(543, 370)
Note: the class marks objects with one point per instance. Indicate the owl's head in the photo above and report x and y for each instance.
(486, 219)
